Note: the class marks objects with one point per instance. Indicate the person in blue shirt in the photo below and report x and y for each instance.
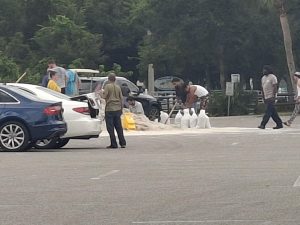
(73, 83)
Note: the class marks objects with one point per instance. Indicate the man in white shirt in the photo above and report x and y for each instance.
(135, 106)
(269, 89)
(194, 94)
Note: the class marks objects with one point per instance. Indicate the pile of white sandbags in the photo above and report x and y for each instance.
(191, 120)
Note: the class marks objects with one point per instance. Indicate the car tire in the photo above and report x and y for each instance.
(61, 142)
(45, 143)
(154, 113)
(14, 136)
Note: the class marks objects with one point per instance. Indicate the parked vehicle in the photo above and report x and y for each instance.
(81, 117)
(24, 119)
(92, 83)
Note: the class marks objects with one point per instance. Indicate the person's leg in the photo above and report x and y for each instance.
(294, 114)
(203, 102)
(109, 119)
(267, 115)
(276, 117)
(119, 128)
(63, 90)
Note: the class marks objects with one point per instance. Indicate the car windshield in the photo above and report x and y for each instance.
(54, 93)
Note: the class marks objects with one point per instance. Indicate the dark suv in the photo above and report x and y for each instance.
(150, 104)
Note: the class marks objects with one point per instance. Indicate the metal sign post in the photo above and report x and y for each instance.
(229, 93)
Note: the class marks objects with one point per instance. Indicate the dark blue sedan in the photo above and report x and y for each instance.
(24, 119)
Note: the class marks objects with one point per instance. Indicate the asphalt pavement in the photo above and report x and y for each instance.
(232, 174)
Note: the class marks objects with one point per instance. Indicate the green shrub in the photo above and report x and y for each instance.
(242, 103)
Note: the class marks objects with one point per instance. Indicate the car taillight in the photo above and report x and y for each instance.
(83, 110)
(53, 110)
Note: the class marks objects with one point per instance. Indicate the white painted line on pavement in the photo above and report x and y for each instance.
(205, 221)
(105, 175)
(297, 182)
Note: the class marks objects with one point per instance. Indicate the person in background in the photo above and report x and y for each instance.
(140, 85)
(180, 92)
(135, 106)
(52, 83)
(196, 93)
(61, 73)
(269, 90)
(45, 80)
(73, 84)
(297, 101)
(125, 92)
(113, 110)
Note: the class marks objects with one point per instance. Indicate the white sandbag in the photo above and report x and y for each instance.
(185, 120)
(207, 124)
(164, 117)
(193, 119)
(177, 120)
(202, 120)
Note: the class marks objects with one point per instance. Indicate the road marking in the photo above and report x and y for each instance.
(204, 221)
(105, 175)
(297, 182)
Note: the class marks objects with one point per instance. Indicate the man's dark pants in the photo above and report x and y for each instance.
(271, 112)
(113, 121)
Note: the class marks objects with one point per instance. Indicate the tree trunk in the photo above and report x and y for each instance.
(222, 67)
(288, 46)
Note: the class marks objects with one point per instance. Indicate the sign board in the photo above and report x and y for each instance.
(235, 78)
(229, 88)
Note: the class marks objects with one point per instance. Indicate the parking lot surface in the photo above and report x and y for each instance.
(232, 174)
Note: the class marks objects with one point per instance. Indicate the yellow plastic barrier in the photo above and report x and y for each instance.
(128, 122)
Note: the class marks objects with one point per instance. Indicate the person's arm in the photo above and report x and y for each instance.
(275, 87)
(121, 98)
(298, 97)
(190, 99)
(104, 94)
(140, 109)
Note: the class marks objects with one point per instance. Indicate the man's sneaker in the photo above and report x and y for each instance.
(287, 124)
(261, 127)
(110, 147)
(278, 127)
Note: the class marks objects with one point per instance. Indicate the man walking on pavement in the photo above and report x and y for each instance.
(269, 91)
(113, 111)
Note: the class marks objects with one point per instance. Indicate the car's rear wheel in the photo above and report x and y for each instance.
(45, 143)
(154, 113)
(61, 142)
(14, 136)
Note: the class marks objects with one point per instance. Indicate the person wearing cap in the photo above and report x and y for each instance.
(297, 100)
(52, 83)
(269, 90)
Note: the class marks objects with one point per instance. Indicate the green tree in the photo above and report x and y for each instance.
(281, 7)
(9, 70)
(66, 41)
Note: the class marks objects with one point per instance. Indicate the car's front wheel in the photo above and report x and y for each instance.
(154, 113)
(14, 136)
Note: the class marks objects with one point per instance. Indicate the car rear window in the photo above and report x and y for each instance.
(54, 93)
(25, 94)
